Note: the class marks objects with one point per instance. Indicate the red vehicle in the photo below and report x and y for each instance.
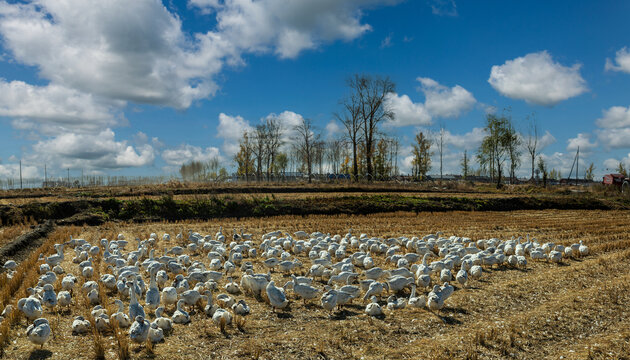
(617, 180)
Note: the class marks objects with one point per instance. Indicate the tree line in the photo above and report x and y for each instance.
(366, 151)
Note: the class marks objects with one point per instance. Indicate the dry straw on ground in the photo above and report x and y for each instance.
(576, 310)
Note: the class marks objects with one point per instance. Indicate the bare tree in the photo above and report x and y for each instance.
(514, 143)
(334, 148)
(394, 156)
(532, 141)
(260, 147)
(273, 132)
(370, 96)
(439, 142)
(305, 143)
(350, 118)
(465, 163)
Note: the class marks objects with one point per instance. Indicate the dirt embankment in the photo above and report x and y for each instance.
(94, 212)
(23, 244)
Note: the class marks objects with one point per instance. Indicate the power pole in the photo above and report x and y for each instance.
(45, 177)
(68, 177)
(577, 166)
(21, 174)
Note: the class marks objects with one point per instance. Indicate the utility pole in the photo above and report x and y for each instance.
(21, 174)
(45, 177)
(577, 166)
(68, 177)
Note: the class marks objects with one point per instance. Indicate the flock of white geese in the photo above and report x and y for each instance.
(196, 267)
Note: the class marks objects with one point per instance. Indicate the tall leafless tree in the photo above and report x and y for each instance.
(273, 134)
(532, 141)
(350, 118)
(260, 148)
(305, 144)
(439, 143)
(334, 149)
(369, 97)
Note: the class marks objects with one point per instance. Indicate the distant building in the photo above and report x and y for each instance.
(613, 179)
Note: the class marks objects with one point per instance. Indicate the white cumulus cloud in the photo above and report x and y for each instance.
(614, 138)
(440, 102)
(12, 171)
(55, 109)
(186, 152)
(287, 28)
(581, 141)
(614, 118)
(406, 112)
(92, 151)
(333, 128)
(537, 79)
(621, 62)
(445, 102)
(231, 130)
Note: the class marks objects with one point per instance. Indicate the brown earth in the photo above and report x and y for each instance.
(574, 310)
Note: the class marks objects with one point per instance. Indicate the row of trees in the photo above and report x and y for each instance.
(365, 151)
(203, 170)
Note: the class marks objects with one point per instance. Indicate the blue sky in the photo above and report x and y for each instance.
(138, 88)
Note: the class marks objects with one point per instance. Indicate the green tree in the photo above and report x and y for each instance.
(421, 163)
(590, 172)
(622, 170)
(382, 166)
(542, 167)
(244, 159)
(281, 163)
(499, 143)
(465, 165)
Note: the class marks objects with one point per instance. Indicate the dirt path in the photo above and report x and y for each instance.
(19, 248)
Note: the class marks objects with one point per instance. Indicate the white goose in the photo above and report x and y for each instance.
(417, 301)
(80, 326)
(462, 277)
(139, 330)
(180, 316)
(373, 308)
(152, 297)
(64, 298)
(329, 299)
(135, 309)
(39, 332)
(120, 317)
(232, 287)
(169, 296)
(241, 308)
(222, 317)
(394, 303)
(277, 297)
(156, 334)
(435, 301)
(476, 272)
(162, 322)
(57, 258)
(375, 288)
(49, 298)
(31, 307)
(306, 292)
(583, 249)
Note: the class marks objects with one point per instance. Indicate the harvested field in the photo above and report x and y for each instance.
(573, 310)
